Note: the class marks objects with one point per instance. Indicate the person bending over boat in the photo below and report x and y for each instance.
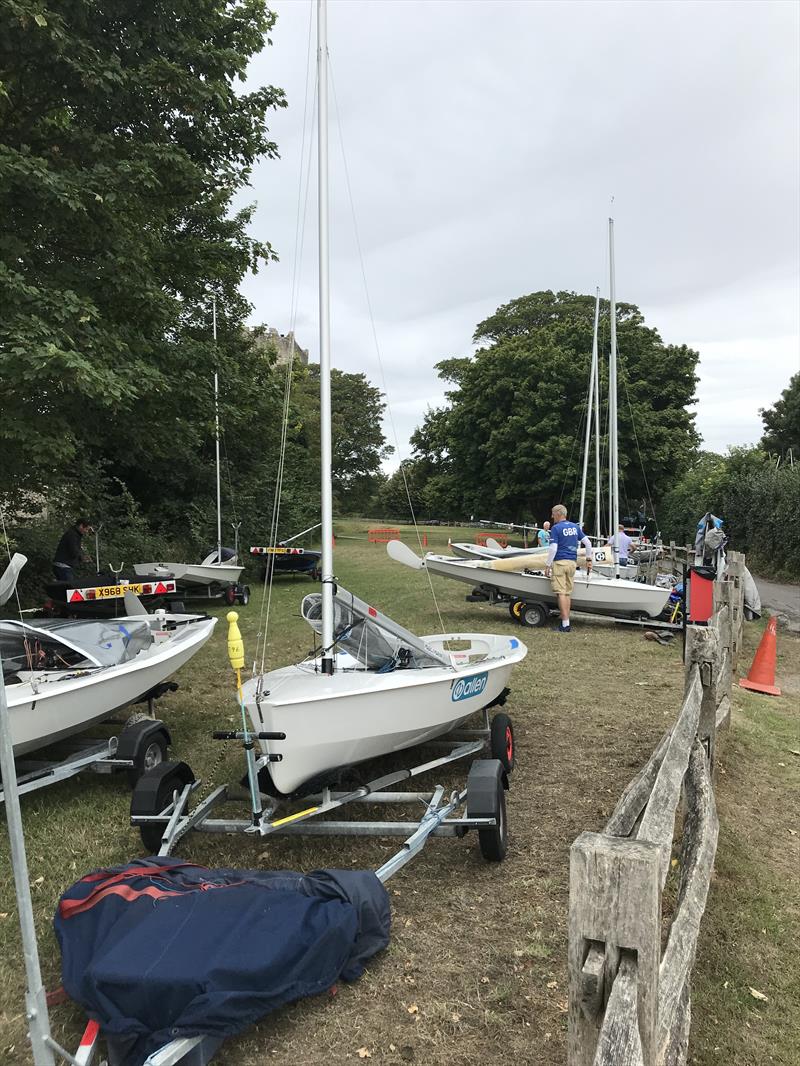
(69, 552)
(562, 560)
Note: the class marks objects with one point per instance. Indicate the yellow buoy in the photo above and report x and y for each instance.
(235, 642)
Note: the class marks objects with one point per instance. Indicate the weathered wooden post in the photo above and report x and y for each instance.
(614, 917)
(735, 588)
(703, 649)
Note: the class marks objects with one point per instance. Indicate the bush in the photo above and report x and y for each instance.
(759, 501)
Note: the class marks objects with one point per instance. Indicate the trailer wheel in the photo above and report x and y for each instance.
(153, 791)
(486, 798)
(514, 608)
(244, 595)
(533, 615)
(230, 595)
(152, 754)
(502, 741)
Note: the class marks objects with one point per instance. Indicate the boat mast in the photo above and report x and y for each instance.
(216, 433)
(596, 362)
(589, 412)
(324, 340)
(35, 995)
(613, 456)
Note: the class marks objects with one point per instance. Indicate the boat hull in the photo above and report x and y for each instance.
(597, 595)
(199, 574)
(356, 715)
(62, 706)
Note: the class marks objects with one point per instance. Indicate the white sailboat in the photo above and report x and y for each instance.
(374, 688)
(521, 576)
(214, 569)
(62, 676)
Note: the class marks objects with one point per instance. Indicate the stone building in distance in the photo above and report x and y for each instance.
(282, 343)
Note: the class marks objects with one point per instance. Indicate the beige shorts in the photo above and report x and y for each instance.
(563, 579)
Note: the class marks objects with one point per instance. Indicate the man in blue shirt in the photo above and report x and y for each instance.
(543, 535)
(562, 560)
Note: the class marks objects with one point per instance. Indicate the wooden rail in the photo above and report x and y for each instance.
(629, 1002)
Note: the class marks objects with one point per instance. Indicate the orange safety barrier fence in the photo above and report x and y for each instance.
(383, 536)
(501, 539)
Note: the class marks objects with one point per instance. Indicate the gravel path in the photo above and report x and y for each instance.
(779, 598)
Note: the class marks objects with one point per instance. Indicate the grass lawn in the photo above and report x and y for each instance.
(476, 970)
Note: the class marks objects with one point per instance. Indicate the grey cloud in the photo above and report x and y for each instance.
(484, 141)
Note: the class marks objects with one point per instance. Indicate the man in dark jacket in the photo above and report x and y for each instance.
(70, 551)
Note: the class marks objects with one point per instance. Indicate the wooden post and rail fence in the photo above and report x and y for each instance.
(629, 1001)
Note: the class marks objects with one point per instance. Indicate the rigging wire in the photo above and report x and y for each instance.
(375, 338)
(624, 376)
(228, 474)
(578, 434)
(300, 228)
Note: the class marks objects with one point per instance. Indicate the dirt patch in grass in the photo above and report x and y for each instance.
(476, 969)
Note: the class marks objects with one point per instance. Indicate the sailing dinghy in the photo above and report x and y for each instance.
(598, 594)
(389, 690)
(63, 675)
(374, 688)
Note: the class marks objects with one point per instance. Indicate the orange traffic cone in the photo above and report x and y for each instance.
(761, 677)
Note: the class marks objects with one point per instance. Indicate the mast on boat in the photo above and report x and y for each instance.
(613, 455)
(594, 400)
(596, 361)
(324, 340)
(216, 430)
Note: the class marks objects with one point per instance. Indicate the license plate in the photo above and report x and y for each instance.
(114, 592)
(277, 551)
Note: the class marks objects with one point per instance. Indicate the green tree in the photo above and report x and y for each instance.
(359, 445)
(508, 442)
(123, 141)
(782, 421)
(392, 499)
(758, 500)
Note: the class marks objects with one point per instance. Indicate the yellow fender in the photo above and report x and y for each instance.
(235, 642)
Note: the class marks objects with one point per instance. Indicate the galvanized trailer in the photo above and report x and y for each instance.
(161, 809)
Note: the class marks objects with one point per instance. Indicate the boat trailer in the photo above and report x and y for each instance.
(535, 613)
(141, 745)
(161, 810)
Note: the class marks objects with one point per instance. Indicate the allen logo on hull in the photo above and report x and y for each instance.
(466, 687)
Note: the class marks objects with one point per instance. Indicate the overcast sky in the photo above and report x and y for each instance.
(484, 141)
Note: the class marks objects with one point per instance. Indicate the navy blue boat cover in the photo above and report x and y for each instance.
(161, 948)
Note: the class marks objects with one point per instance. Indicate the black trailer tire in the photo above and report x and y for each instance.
(153, 791)
(533, 614)
(152, 753)
(486, 798)
(244, 595)
(144, 741)
(501, 741)
(514, 608)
